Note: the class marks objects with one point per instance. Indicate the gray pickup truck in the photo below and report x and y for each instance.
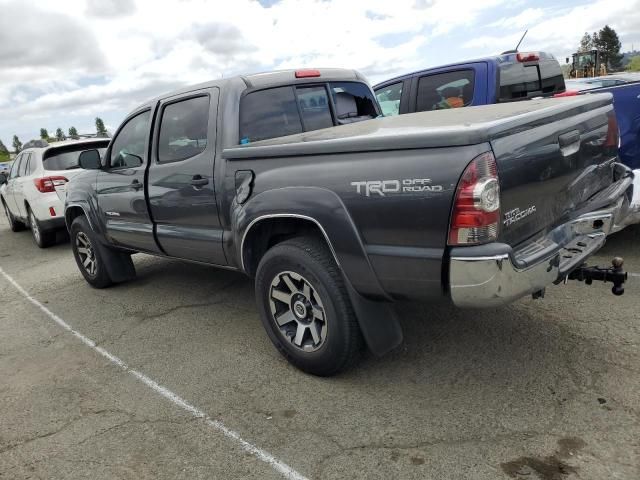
(291, 178)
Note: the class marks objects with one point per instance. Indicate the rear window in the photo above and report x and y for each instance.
(520, 80)
(67, 158)
(281, 111)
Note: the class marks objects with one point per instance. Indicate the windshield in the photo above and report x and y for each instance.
(68, 159)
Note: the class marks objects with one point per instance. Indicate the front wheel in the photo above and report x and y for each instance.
(14, 224)
(88, 255)
(305, 307)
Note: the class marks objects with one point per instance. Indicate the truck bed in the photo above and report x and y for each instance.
(442, 128)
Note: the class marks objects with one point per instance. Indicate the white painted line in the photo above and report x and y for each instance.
(634, 275)
(261, 454)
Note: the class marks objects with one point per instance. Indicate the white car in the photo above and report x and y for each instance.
(34, 191)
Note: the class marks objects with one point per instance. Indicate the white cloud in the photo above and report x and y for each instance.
(91, 57)
(559, 29)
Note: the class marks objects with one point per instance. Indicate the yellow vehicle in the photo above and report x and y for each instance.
(586, 65)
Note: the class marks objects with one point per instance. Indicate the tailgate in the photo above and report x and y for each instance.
(552, 165)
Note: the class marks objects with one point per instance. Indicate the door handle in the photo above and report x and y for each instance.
(136, 185)
(199, 181)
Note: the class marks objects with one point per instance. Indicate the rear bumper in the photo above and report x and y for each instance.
(493, 275)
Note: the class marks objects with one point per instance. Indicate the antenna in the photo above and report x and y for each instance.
(521, 38)
(516, 49)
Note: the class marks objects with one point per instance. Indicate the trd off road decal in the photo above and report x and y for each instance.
(384, 187)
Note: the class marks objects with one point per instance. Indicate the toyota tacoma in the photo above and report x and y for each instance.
(295, 179)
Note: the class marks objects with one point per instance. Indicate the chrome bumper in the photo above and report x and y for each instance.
(633, 215)
(499, 279)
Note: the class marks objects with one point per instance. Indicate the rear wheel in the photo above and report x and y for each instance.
(43, 238)
(88, 255)
(305, 307)
(14, 224)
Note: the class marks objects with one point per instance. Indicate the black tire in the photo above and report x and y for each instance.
(14, 225)
(81, 232)
(43, 238)
(309, 259)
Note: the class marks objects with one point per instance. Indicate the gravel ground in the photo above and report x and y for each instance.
(546, 389)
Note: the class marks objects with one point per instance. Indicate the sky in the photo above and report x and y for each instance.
(63, 63)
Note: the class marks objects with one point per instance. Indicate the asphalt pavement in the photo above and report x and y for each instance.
(542, 389)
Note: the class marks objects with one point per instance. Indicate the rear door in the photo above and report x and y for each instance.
(120, 186)
(11, 183)
(181, 185)
(19, 185)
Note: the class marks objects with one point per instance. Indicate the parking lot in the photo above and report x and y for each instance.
(545, 389)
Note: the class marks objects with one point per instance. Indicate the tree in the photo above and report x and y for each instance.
(586, 43)
(44, 135)
(609, 46)
(100, 128)
(4, 152)
(73, 133)
(634, 64)
(60, 134)
(17, 144)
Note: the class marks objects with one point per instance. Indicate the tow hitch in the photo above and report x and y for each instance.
(614, 274)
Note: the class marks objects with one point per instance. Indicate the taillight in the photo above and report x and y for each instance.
(528, 57)
(613, 134)
(49, 184)
(476, 210)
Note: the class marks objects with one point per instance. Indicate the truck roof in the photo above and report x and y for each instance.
(265, 80)
(503, 58)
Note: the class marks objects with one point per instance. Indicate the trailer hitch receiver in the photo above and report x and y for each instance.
(614, 274)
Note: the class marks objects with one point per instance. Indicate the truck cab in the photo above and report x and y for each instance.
(504, 78)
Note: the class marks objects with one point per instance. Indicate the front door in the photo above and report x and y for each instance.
(181, 187)
(120, 186)
(11, 183)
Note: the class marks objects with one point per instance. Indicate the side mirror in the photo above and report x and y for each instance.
(90, 160)
(3, 178)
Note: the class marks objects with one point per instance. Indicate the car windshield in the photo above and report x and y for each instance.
(68, 159)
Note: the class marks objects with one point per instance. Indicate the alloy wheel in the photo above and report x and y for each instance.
(298, 312)
(86, 253)
(34, 227)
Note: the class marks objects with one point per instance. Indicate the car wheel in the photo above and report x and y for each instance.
(305, 307)
(42, 238)
(88, 255)
(14, 224)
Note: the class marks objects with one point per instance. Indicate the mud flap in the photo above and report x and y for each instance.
(119, 265)
(378, 322)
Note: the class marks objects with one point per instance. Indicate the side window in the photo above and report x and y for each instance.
(353, 101)
(389, 99)
(15, 166)
(314, 106)
(24, 165)
(128, 149)
(445, 90)
(183, 129)
(268, 114)
(32, 164)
